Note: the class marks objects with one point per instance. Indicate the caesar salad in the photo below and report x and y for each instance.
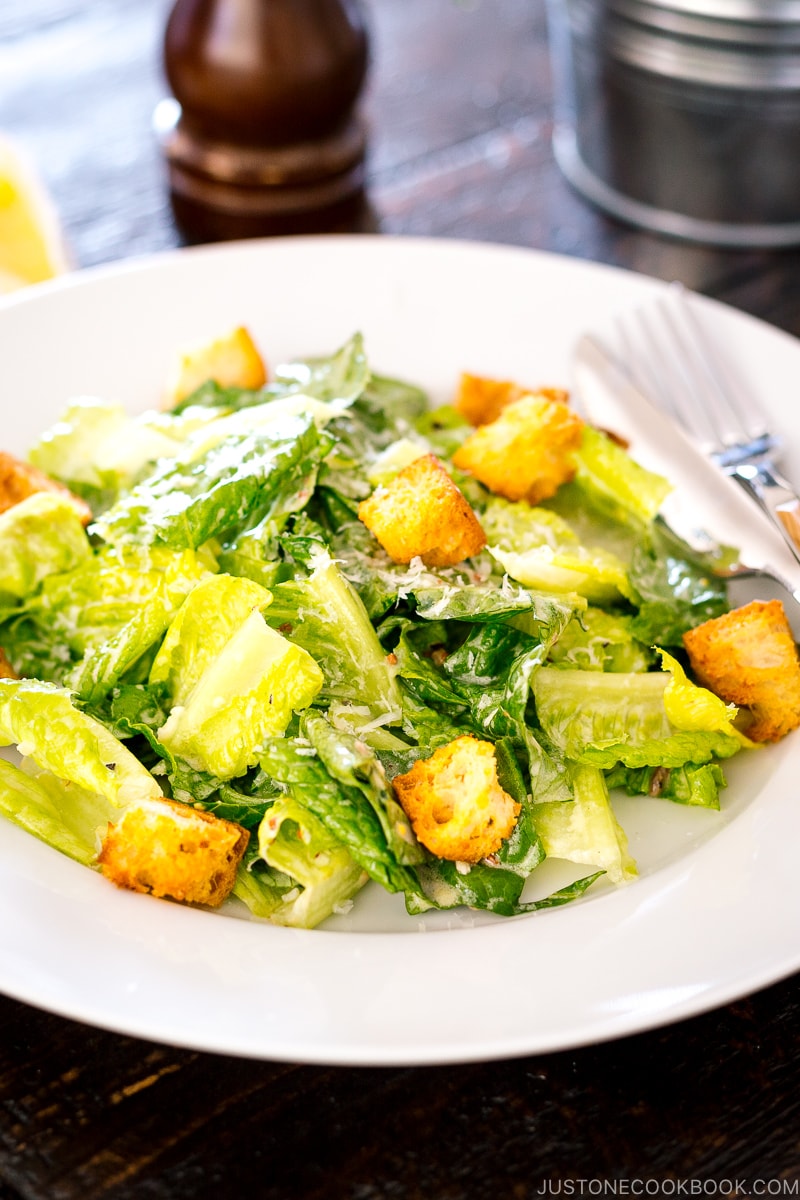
(297, 631)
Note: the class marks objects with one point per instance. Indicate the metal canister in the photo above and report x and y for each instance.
(682, 116)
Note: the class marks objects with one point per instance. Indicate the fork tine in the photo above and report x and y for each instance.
(668, 355)
(677, 380)
(709, 403)
(655, 364)
(737, 418)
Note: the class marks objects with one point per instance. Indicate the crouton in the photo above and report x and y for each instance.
(169, 849)
(421, 513)
(456, 806)
(748, 657)
(6, 669)
(19, 479)
(231, 361)
(527, 452)
(481, 400)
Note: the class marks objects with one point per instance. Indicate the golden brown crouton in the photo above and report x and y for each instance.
(231, 361)
(455, 804)
(19, 479)
(170, 849)
(6, 669)
(481, 400)
(748, 657)
(422, 513)
(527, 452)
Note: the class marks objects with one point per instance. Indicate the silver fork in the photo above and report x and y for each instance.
(604, 392)
(669, 357)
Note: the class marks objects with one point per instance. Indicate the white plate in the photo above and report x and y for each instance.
(714, 914)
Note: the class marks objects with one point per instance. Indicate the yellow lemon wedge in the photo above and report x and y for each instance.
(31, 243)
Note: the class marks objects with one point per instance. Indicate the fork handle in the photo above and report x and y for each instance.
(776, 496)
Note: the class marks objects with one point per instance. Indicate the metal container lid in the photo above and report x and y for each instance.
(740, 44)
(739, 22)
(776, 11)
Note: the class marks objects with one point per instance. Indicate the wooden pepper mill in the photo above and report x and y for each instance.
(265, 137)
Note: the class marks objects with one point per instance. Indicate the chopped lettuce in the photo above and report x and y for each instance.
(40, 536)
(325, 616)
(105, 615)
(697, 785)
(245, 695)
(205, 622)
(236, 482)
(596, 640)
(345, 811)
(229, 634)
(351, 762)
(537, 547)
(696, 708)
(613, 479)
(84, 607)
(604, 718)
(97, 450)
(339, 378)
(254, 553)
(42, 721)
(325, 878)
(64, 816)
(395, 458)
(673, 588)
(585, 830)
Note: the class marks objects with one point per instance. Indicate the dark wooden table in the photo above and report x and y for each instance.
(460, 108)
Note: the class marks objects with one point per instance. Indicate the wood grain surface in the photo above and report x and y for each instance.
(459, 105)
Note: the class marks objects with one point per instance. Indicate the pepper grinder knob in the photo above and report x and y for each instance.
(264, 135)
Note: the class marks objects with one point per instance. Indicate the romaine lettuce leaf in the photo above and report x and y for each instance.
(344, 810)
(98, 450)
(339, 378)
(444, 428)
(138, 711)
(691, 707)
(202, 627)
(395, 458)
(41, 535)
(41, 720)
(291, 840)
(31, 649)
(478, 885)
(325, 616)
(391, 404)
(674, 591)
(538, 548)
(258, 886)
(244, 696)
(584, 829)
(238, 482)
(596, 640)
(44, 805)
(490, 888)
(351, 762)
(614, 480)
(481, 684)
(111, 611)
(456, 598)
(85, 607)
(691, 784)
(254, 553)
(603, 719)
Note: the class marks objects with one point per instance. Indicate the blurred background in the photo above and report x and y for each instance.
(458, 102)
